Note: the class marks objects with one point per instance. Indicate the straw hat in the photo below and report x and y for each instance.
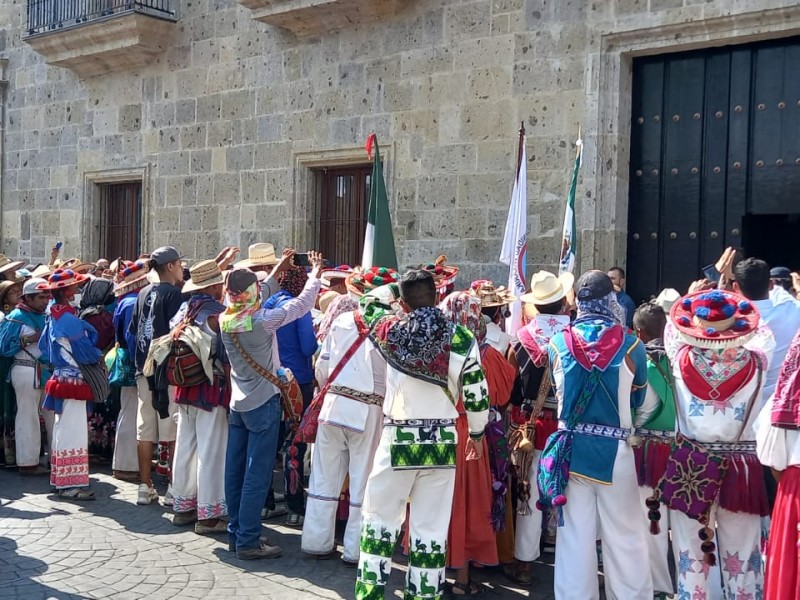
(42, 271)
(77, 265)
(64, 278)
(717, 319)
(443, 274)
(667, 298)
(5, 287)
(259, 255)
(326, 299)
(330, 277)
(131, 278)
(203, 275)
(490, 295)
(361, 282)
(546, 288)
(6, 264)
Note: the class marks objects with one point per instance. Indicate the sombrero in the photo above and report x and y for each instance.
(6, 264)
(490, 295)
(361, 282)
(443, 274)
(258, 255)
(64, 278)
(77, 265)
(717, 319)
(340, 272)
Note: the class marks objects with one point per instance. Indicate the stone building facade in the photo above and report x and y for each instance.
(232, 106)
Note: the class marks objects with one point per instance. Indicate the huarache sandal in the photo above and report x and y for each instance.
(518, 575)
(76, 494)
(466, 589)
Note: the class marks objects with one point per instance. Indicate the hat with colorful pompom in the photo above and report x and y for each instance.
(361, 282)
(715, 319)
(443, 274)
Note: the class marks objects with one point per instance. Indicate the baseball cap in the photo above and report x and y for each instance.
(594, 285)
(164, 255)
(780, 273)
(34, 286)
(240, 279)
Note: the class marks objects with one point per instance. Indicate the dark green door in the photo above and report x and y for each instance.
(715, 142)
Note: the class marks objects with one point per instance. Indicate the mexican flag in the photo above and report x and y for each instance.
(569, 245)
(378, 240)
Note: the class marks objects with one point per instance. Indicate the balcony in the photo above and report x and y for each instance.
(312, 17)
(91, 37)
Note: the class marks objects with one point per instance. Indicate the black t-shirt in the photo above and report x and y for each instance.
(155, 306)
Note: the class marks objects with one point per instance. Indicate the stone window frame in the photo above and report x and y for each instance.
(301, 209)
(610, 77)
(90, 209)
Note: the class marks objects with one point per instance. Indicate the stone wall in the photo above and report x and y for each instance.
(223, 118)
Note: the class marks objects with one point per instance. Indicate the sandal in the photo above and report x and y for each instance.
(76, 494)
(294, 520)
(466, 589)
(517, 575)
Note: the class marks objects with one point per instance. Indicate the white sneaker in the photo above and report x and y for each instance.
(146, 494)
(169, 499)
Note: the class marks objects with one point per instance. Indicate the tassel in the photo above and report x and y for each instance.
(655, 529)
(294, 470)
(653, 514)
(708, 547)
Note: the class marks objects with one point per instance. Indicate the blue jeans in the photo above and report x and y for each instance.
(250, 456)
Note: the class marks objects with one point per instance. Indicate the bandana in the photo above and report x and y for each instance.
(238, 317)
(417, 344)
(597, 334)
(59, 310)
(536, 335)
(606, 307)
(786, 405)
(293, 280)
(716, 375)
(380, 302)
(338, 306)
(464, 309)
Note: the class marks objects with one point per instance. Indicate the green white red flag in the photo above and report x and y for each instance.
(569, 240)
(379, 250)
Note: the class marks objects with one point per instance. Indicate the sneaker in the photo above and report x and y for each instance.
(169, 499)
(147, 494)
(264, 550)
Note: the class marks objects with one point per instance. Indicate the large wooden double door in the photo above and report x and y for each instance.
(715, 150)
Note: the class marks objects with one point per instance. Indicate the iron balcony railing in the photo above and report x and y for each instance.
(45, 16)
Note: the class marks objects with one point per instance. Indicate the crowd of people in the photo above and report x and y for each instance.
(601, 431)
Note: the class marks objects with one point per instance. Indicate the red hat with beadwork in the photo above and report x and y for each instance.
(131, 278)
(715, 319)
(64, 278)
(361, 282)
(443, 274)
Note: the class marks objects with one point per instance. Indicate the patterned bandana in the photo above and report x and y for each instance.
(417, 344)
(59, 310)
(293, 280)
(464, 309)
(786, 406)
(716, 375)
(338, 306)
(606, 307)
(238, 317)
(380, 302)
(536, 335)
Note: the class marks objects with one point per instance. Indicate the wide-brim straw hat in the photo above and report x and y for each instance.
(547, 288)
(359, 283)
(490, 295)
(667, 298)
(715, 319)
(6, 264)
(203, 275)
(132, 277)
(443, 274)
(77, 265)
(65, 278)
(259, 255)
(326, 299)
(6, 285)
(42, 271)
(329, 276)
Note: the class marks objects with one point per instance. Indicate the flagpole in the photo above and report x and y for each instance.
(519, 147)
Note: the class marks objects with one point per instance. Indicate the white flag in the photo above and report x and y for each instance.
(515, 246)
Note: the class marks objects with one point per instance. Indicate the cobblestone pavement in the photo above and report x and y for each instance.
(112, 548)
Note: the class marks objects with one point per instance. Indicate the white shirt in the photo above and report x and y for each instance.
(783, 319)
(497, 338)
(777, 447)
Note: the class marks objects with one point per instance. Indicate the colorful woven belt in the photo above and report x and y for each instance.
(654, 433)
(743, 447)
(24, 362)
(418, 422)
(606, 431)
(358, 396)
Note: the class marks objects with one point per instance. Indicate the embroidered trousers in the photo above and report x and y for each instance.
(198, 471)
(337, 453)
(529, 527)
(125, 453)
(611, 511)
(27, 428)
(431, 494)
(658, 545)
(738, 541)
(69, 461)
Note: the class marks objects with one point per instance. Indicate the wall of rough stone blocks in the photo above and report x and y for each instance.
(222, 115)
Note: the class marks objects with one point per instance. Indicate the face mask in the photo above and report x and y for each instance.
(75, 301)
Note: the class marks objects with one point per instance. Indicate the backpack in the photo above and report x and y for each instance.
(184, 367)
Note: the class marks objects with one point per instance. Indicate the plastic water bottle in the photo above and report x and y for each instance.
(285, 375)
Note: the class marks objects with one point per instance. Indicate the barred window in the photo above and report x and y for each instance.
(342, 198)
(120, 220)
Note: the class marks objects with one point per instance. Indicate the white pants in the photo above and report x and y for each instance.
(528, 533)
(125, 453)
(738, 541)
(431, 494)
(198, 470)
(149, 426)
(658, 545)
(27, 428)
(338, 452)
(615, 507)
(69, 462)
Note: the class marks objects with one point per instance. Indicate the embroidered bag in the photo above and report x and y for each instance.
(307, 430)
(693, 479)
(184, 367)
(555, 459)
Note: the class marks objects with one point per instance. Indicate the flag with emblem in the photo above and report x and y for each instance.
(379, 248)
(569, 241)
(515, 247)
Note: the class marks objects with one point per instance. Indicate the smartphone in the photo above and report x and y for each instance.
(58, 245)
(710, 272)
(301, 260)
